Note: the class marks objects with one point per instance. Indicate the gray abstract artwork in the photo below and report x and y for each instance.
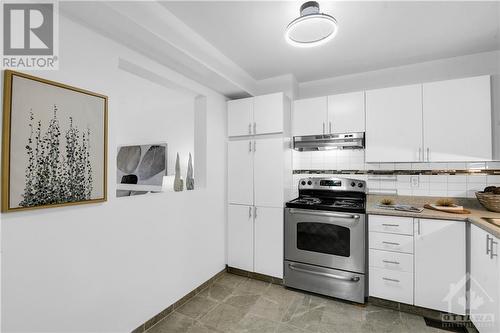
(140, 169)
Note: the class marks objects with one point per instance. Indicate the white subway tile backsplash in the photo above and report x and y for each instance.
(476, 165)
(476, 179)
(438, 193)
(457, 179)
(493, 180)
(457, 165)
(493, 165)
(459, 185)
(402, 166)
(405, 192)
(438, 179)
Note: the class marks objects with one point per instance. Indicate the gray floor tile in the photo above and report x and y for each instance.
(224, 317)
(243, 302)
(255, 324)
(197, 307)
(251, 286)
(217, 292)
(235, 304)
(173, 323)
(230, 280)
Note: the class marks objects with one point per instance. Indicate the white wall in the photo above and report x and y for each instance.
(444, 69)
(109, 267)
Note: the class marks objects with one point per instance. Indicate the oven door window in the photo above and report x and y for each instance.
(324, 238)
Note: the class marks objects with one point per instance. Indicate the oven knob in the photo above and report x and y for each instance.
(309, 182)
(353, 184)
(360, 184)
(303, 182)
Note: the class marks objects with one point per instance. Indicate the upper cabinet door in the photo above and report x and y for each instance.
(436, 241)
(268, 114)
(240, 172)
(310, 116)
(269, 172)
(394, 124)
(457, 120)
(240, 117)
(346, 113)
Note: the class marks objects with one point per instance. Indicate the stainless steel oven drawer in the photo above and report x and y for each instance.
(326, 281)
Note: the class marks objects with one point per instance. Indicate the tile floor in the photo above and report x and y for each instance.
(238, 304)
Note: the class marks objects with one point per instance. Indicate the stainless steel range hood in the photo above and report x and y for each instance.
(328, 142)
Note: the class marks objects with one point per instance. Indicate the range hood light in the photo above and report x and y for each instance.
(311, 28)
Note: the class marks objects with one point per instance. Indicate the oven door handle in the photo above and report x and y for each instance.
(326, 214)
(328, 275)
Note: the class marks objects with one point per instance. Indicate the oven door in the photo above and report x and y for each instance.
(323, 238)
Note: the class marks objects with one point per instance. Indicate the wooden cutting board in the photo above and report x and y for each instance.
(465, 211)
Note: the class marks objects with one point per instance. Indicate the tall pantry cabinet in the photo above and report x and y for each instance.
(259, 182)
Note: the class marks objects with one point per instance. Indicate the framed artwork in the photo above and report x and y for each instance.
(54, 149)
(140, 169)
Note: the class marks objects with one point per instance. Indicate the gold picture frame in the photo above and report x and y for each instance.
(43, 90)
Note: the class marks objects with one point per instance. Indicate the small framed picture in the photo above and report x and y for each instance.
(54, 149)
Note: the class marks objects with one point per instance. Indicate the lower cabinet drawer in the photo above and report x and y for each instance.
(391, 285)
(391, 224)
(390, 242)
(394, 261)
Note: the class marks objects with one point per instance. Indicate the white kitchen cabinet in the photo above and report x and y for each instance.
(440, 249)
(485, 281)
(264, 114)
(240, 117)
(346, 112)
(457, 120)
(240, 172)
(394, 124)
(240, 234)
(269, 241)
(269, 113)
(268, 172)
(310, 116)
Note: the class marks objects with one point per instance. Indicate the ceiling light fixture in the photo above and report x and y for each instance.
(311, 28)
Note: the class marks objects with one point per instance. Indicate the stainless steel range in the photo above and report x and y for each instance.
(325, 238)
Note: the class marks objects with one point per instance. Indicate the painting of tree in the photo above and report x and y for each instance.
(57, 144)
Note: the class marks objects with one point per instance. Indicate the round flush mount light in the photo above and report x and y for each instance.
(311, 28)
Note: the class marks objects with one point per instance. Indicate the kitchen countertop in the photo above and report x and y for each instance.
(475, 217)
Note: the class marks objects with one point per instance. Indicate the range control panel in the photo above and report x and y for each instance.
(332, 184)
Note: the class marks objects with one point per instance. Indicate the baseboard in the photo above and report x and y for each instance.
(253, 275)
(165, 312)
(424, 312)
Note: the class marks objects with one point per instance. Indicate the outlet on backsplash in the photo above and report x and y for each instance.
(415, 181)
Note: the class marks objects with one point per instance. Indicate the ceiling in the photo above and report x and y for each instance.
(372, 35)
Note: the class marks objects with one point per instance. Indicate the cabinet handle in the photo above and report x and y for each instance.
(330, 127)
(493, 254)
(249, 146)
(489, 246)
(254, 128)
(390, 262)
(323, 128)
(255, 146)
(420, 157)
(249, 128)
(418, 226)
(392, 280)
(428, 154)
(390, 243)
(390, 225)
(249, 212)
(254, 212)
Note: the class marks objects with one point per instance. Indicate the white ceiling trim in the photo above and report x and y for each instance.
(150, 29)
